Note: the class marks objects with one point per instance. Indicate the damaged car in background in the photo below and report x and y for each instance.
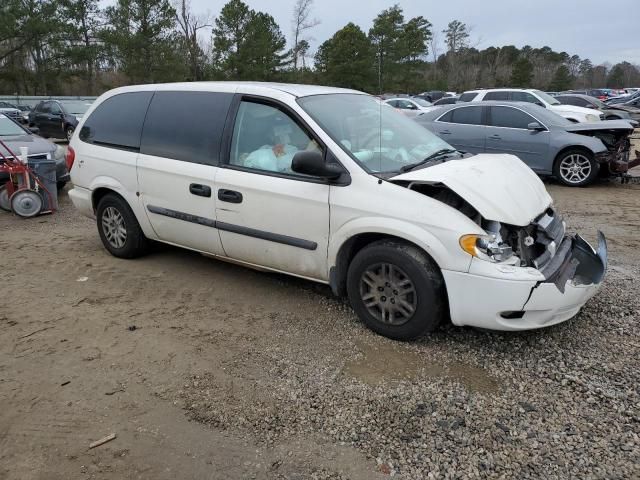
(574, 153)
(325, 184)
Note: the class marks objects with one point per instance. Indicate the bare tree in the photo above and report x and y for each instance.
(434, 45)
(301, 22)
(190, 24)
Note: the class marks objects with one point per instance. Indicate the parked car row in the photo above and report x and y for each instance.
(575, 153)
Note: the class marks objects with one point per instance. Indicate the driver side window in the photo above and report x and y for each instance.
(266, 138)
(54, 108)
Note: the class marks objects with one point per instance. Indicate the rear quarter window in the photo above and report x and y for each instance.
(117, 122)
(468, 97)
(186, 126)
(497, 96)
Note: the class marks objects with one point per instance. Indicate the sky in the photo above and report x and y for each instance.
(596, 29)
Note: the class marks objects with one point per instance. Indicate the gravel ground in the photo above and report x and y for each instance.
(231, 373)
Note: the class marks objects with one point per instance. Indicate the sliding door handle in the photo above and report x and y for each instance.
(200, 190)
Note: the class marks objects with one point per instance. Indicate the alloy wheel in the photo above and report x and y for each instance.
(388, 294)
(575, 168)
(114, 228)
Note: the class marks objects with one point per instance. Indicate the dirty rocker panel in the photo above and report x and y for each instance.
(250, 232)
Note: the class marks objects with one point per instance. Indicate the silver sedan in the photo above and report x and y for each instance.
(575, 153)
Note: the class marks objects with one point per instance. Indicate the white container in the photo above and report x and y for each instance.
(24, 152)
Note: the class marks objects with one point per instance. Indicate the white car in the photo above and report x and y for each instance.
(570, 112)
(323, 184)
(411, 107)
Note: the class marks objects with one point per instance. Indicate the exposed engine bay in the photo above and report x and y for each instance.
(543, 244)
(617, 157)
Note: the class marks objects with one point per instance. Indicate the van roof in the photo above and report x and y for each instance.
(297, 90)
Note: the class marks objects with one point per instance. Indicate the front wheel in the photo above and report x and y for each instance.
(69, 133)
(396, 289)
(576, 168)
(119, 229)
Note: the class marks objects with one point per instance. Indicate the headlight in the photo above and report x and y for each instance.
(592, 118)
(486, 247)
(59, 153)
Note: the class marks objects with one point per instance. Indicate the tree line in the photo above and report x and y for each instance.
(75, 47)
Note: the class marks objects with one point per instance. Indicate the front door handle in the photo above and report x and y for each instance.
(445, 132)
(200, 190)
(230, 196)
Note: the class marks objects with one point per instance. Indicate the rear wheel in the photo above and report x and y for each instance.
(119, 229)
(576, 168)
(396, 289)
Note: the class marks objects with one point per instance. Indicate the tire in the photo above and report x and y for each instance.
(127, 241)
(576, 168)
(394, 267)
(5, 202)
(69, 133)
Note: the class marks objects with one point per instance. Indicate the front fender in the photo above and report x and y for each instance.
(444, 248)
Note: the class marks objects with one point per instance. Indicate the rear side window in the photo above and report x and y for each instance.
(468, 97)
(569, 100)
(509, 117)
(497, 96)
(117, 122)
(186, 126)
(467, 115)
(524, 97)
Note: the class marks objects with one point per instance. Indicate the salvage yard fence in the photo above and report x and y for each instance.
(32, 101)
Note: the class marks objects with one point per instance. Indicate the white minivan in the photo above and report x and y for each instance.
(328, 185)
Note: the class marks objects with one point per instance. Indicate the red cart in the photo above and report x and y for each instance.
(24, 193)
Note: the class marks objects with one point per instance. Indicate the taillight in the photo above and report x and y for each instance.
(70, 157)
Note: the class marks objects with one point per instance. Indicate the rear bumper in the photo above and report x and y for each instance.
(498, 302)
(81, 199)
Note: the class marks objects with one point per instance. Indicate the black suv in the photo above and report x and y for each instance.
(57, 118)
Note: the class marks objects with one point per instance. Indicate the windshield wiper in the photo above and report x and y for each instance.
(434, 155)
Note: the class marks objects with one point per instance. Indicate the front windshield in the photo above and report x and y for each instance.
(546, 97)
(8, 128)
(421, 102)
(380, 139)
(75, 107)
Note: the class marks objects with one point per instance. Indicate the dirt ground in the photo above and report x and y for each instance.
(92, 345)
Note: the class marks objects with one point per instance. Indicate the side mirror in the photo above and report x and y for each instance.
(536, 127)
(541, 104)
(312, 163)
(34, 130)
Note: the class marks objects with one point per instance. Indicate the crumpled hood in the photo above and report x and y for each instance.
(624, 108)
(603, 125)
(500, 187)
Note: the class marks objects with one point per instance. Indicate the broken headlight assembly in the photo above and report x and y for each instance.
(488, 247)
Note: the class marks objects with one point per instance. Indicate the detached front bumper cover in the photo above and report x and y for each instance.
(576, 261)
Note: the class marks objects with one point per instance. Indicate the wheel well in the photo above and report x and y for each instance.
(572, 148)
(99, 193)
(349, 249)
